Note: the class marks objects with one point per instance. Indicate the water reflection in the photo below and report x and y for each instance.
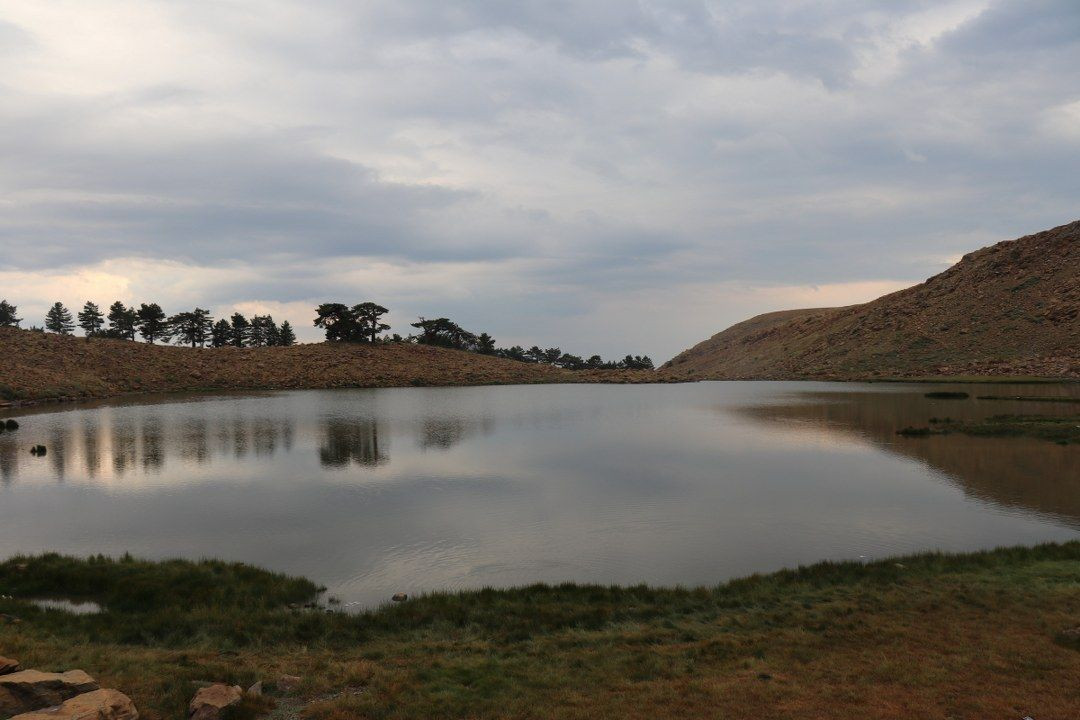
(9, 461)
(91, 443)
(118, 444)
(124, 446)
(444, 433)
(347, 442)
(1023, 473)
(371, 492)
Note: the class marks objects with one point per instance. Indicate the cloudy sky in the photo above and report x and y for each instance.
(608, 176)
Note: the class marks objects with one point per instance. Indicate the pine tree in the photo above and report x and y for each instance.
(122, 321)
(259, 332)
(369, 316)
(7, 314)
(192, 328)
(58, 319)
(286, 336)
(221, 333)
(241, 330)
(91, 318)
(485, 344)
(273, 332)
(152, 323)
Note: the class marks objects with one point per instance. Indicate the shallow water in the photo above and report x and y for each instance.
(371, 492)
(68, 606)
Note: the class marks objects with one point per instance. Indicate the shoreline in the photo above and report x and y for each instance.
(45, 368)
(22, 403)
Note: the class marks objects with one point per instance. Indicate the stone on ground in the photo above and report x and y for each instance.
(95, 705)
(7, 665)
(27, 690)
(209, 701)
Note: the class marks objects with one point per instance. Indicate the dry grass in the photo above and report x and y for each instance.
(42, 365)
(1012, 309)
(976, 636)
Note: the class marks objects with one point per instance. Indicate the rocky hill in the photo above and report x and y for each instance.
(36, 365)
(1010, 309)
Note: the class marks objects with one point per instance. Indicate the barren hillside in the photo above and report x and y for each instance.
(1009, 309)
(35, 365)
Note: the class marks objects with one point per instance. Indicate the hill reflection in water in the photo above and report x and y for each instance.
(1023, 473)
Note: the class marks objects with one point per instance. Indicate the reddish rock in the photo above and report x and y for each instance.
(95, 705)
(209, 701)
(27, 690)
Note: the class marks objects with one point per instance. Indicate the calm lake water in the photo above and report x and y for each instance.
(372, 492)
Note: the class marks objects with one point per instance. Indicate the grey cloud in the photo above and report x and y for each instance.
(1018, 27)
(580, 152)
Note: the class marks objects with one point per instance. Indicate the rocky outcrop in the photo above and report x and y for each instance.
(211, 700)
(94, 705)
(1011, 309)
(7, 665)
(27, 690)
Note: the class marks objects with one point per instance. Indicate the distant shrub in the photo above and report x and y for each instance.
(915, 432)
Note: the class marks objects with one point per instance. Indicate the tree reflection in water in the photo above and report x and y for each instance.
(348, 442)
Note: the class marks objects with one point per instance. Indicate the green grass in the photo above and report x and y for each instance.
(975, 379)
(9, 393)
(1030, 398)
(235, 605)
(844, 637)
(1064, 430)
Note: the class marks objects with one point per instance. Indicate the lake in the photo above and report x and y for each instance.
(373, 492)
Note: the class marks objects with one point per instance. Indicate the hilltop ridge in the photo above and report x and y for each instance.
(37, 365)
(1012, 308)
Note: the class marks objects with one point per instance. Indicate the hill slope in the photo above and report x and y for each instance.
(35, 365)
(1009, 309)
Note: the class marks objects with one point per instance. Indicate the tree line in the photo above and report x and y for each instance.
(196, 328)
(363, 323)
(340, 322)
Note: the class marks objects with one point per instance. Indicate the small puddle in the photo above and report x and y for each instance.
(75, 608)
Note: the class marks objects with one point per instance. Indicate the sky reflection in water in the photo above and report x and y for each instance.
(375, 491)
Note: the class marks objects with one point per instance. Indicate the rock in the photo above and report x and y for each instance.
(288, 683)
(28, 690)
(209, 702)
(95, 705)
(255, 689)
(7, 665)
(400, 597)
(11, 425)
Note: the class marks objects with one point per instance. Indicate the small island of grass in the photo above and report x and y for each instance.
(1061, 429)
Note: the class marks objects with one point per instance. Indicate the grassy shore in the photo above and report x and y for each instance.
(1061, 429)
(929, 636)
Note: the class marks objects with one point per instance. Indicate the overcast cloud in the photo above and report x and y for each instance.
(604, 175)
